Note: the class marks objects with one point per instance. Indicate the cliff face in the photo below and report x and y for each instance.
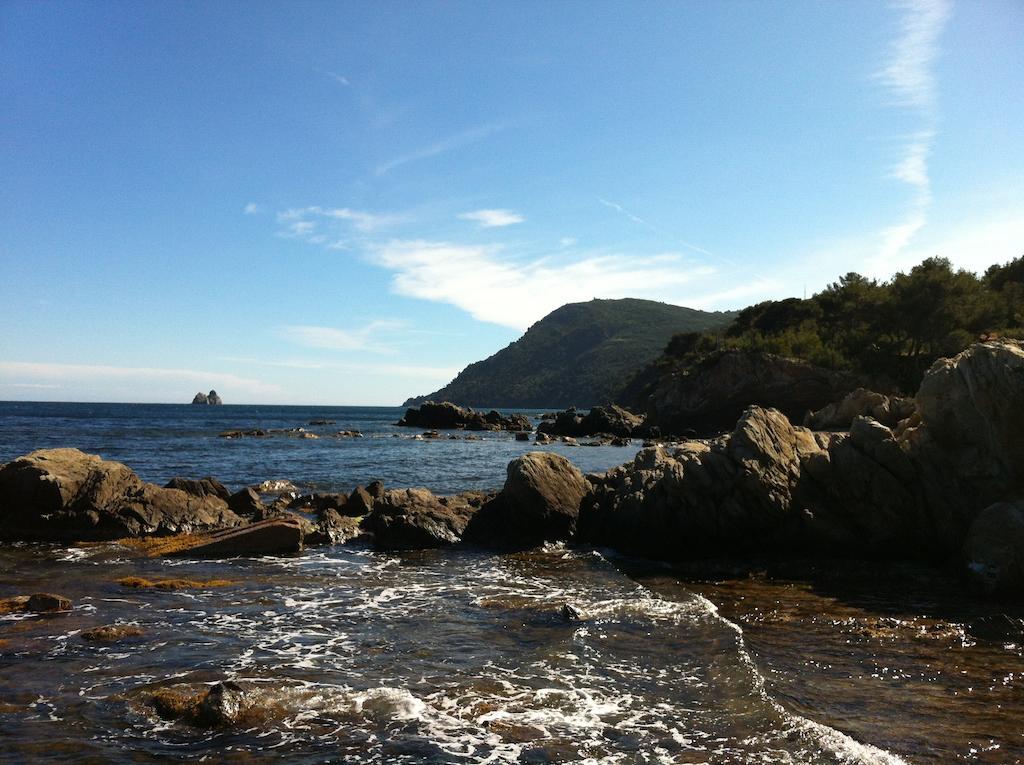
(578, 355)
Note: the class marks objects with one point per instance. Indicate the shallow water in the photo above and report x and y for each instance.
(440, 657)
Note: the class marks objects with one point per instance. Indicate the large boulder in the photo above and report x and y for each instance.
(64, 495)
(542, 497)
(709, 396)
(415, 519)
(994, 549)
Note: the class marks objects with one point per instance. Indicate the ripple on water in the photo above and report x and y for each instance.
(433, 657)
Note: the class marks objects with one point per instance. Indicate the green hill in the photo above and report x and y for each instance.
(580, 355)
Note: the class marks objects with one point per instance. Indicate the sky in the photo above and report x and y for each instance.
(347, 203)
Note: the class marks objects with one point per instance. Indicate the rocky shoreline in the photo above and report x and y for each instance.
(944, 485)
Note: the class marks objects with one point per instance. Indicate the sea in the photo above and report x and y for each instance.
(467, 656)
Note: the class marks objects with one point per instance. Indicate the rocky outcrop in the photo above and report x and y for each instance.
(413, 519)
(64, 495)
(770, 486)
(210, 398)
(608, 420)
(448, 416)
(888, 410)
(709, 396)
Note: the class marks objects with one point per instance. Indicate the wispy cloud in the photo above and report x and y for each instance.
(440, 147)
(364, 338)
(909, 80)
(493, 218)
(640, 221)
(359, 219)
(907, 72)
(493, 286)
(338, 78)
(252, 209)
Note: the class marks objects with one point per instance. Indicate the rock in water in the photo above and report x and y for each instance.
(222, 705)
(413, 519)
(64, 495)
(609, 420)
(210, 398)
(541, 498)
(448, 416)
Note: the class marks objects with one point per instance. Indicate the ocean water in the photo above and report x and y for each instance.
(461, 656)
(161, 441)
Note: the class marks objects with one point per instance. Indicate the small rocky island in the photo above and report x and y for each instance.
(207, 398)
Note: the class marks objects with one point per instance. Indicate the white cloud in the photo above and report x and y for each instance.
(101, 382)
(497, 289)
(361, 339)
(907, 72)
(359, 219)
(252, 209)
(567, 241)
(493, 218)
(441, 147)
(909, 79)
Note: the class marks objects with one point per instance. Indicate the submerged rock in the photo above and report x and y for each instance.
(112, 633)
(64, 495)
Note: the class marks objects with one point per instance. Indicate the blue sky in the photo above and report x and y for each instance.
(346, 203)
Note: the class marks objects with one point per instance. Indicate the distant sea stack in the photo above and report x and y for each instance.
(207, 398)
